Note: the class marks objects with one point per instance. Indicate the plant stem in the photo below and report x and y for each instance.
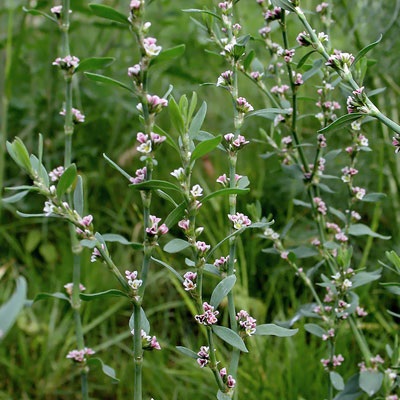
(137, 351)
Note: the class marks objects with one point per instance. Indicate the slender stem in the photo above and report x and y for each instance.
(360, 340)
(213, 360)
(137, 352)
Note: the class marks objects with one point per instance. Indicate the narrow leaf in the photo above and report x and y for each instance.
(176, 273)
(107, 370)
(195, 10)
(38, 12)
(268, 113)
(67, 179)
(197, 121)
(224, 192)
(168, 54)
(56, 295)
(78, 196)
(109, 13)
(361, 230)
(117, 167)
(144, 322)
(205, 147)
(19, 153)
(222, 289)
(176, 116)
(176, 245)
(314, 329)
(373, 197)
(365, 50)
(175, 215)
(113, 237)
(107, 80)
(154, 185)
(94, 63)
(341, 122)
(187, 352)
(285, 4)
(363, 277)
(16, 197)
(102, 295)
(229, 336)
(274, 330)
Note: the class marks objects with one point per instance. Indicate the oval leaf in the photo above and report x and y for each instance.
(102, 295)
(223, 396)
(336, 380)
(198, 120)
(78, 196)
(205, 147)
(274, 330)
(168, 54)
(361, 230)
(222, 289)
(67, 179)
(91, 64)
(107, 370)
(107, 80)
(373, 197)
(341, 122)
(144, 322)
(113, 237)
(16, 197)
(230, 337)
(363, 277)
(370, 381)
(187, 352)
(109, 13)
(176, 245)
(314, 329)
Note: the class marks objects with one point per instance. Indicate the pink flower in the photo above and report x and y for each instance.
(154, 229)
(56, 173)
(80, 355)
(209, 317)
(203, 356)
(150, 47)
(239, 220)
(68, 63)
(247, 324)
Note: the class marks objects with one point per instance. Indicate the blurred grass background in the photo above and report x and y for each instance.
(32, 356)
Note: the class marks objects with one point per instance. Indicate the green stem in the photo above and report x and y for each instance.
(213, 360)
(137, 351)
(362, 343)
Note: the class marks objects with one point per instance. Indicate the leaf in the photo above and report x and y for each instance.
(195, 10)
(336, 380)
(317, 64)
(94, 63)
(225, 191)
(285, 4)
(40, 169)
(341, 122)
(301, 203)
(304, 251)
(365, 50)
(113, 237)
(117, 167)
(361, 230)
(222, 289)
(268, 113)
(19, 154)
(176, 245)
(67, 179)
(144, 322)
(38, 12)
(108, 13)
(16, 197)
(154, 185)
(230, 337)
(56, 295)
(325, 188)
(274, 330)
(90, 244)
(10, 309)
(176, 273)
(248, 59)
(304, 59)
(314, 329)
(373, 197)
(362, 278)
(197, 121)
(223, 396)
(370, 381)
(78, 196)
(205, 147)
(351, 390)
(106, 80)
(168, 54)
(176, 215)
(176, 116)
(102, 295)
(187, 352)
(107, 370)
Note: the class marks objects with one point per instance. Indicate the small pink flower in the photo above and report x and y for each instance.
(239, 220)
(209, 317)
(56, 173)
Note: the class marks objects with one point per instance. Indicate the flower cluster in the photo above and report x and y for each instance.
(239, 220)
(96, 253)
(243, 106)
(203, 356)
(227, 379)
(224, 180)
(274, 14)
(68, 63)
(149, 143)
(56, 173)
(332, 363)
(77, 116)
(148, 342)
(140, 176)
(154, 229)
(225, 79)
(320, 204)
(80, 355)
(190, 281)
(133, 282)
(84, 228)
(341, 62)
(154, 104)
(234, 144)
(247, 324)
(209, 317)
(375, 362)
(222, 264)
(70, 286)
(357, 102)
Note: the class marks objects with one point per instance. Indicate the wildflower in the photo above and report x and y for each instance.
(341, 237)
(396, 143)
(197, 191)
(321, 207)
(321, 7)
(328, 335)
(68, 63)
(239, 220)
(264, 31)
(337, 360)
(321, 140)
(134, 72)
(202, 247)
(140, 176)
(155, 104)
(284, 255)
(280, 89)
(190, 279)
(178, 174)
(150, 47)
(361, 312)
(340, 61)
(203, 356)
(154, 229)
(358, 192)
(223, 180)
(272, 15)
(135, 4)
(80, 355)
(95, 255)
(56, 173)
(77, 116)
(247, 324)
(225, 79)
(69, 287)
(243, 106)
(222, 263)
(133, 282)
(298, 78)
(257, 76)
(227, 379)
(148, 342)
(303, 39)
(209, 317)
(49, 208)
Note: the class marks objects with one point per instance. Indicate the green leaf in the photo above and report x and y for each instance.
(304, 59)
(19, 154)
(222, 289)
(268, 113)
(197, 121)
(314, 329)
(16, 197)
(304, 251)
(176, 117)
(38, 12)
(225, 191)
(274, 330)
(40, 169)
(176, 245)
(176, 273)
(175, 215)
(229, 336)
(223, 396)
(168, 54)
(106, 80)
(373, 197)
(205, 147)
(341, 122)
(109, 13)
(102, 295)
(317, 64)
(361, 230)
(365, 50)
(10, 309)
(144, 322)
(370, 381)
(90, 244)
(117, 167)
(195, 10)
(107, 370)
(351, 390)
(113, 237)
(187, 352)
(285, 4)
(67, 179)
(362, 278)
(154, 185)
(336, 380)
(248, 59)
(56, 295)
(78, 196)
(94, 63)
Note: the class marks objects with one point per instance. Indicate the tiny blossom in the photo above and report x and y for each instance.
(361, 312)
(240, 141)
(189, 282)
(358, 192)
(337, 360)
(303, 39)
(184, 224)
(323, 37)
(225, 79)
(341, 237)
(57, 10)
(239, 220)
(246, 323)
(222, 263)
(202, 247)
(280, 89)
(154, 103)
(145, 147)
(148, 342)
(264, 31)
(396, 143)
(333, 227)
(236, 28)
(156, 138)
(286, 140)
(377, 360)
(329, 334)
(68, 63)
(288, 55)
(347, 284)
(56, 173)
(340, 60)
(278, 119)
(140, 176)
(203, 356)
(272, 15)
(362, 140)
(271, 234)
(223, 179)
(321, 7)
(243, 105)
(316, 242)
(348, 172)
(178, 173)
(69, 287)
(321, 207)
(392, 397)
(150, 47)
(135, 4)
(49, 208)
(77, 116)
(95, 255)
(284, 255)
(355, 215)
(209, 317)
(154, 229)
(298, 78)
(133, 282)
(197, 191)
(80, 355)
(321, 140)
(256, 75)
(134, 71)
